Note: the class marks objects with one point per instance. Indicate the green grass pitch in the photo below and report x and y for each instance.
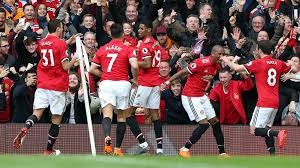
(148, 161)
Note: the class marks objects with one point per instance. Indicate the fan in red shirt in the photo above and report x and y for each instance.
(114, 88)
(229, 94)
(52, 85)
(267, 71)
(195, 101)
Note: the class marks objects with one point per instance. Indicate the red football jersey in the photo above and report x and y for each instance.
(151, 48)
(51, 74)
(267, 73)
(195, 85)
(114, 60)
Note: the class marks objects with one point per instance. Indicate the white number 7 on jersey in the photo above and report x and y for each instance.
(111, 62)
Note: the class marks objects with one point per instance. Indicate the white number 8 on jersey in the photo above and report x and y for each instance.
(272, 77)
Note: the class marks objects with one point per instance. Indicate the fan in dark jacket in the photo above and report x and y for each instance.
(75, 110)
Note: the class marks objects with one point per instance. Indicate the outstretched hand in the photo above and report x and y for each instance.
(164, 85)
(287, 76)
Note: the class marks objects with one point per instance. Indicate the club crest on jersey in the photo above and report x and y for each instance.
(193, 65)
(205, 61)
(145, 50)
(147, 40)
(249, 63)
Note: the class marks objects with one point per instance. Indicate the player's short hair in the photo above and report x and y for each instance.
(147, 23)
(265, 46)
(216, 48)
(53, 25)
(116, 30)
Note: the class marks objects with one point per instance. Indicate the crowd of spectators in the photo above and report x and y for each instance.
(186, 29)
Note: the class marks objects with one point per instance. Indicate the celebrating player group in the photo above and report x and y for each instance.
(122, 95)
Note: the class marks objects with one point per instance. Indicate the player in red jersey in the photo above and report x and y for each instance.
(195, 101)
(147, 95)
(267, 71)
(52, 84)
(114, 88)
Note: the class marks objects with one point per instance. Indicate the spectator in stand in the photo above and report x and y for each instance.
(73, 7)
(29, 17)
(291, 118)
(13, 10)
(187, 8)
(4, 52)
(23, 96)
(4, 26)
(88, 24)
(286, 36)
(52, 6)
(228, 93)
(164, 71)
(27, 53)
(288, 93)
(210, 25)
(129, 35)
(175, 113)
(290, 8)
(89, 40)
(187, 38)
(5, 86)
(169, 20)
(103, 34)
(163, 39)
(127, 13)
(42, 15)
(75, 109)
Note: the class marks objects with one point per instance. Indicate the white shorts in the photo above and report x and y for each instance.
(144, 96)
(43, 98)
(115, 93)
(263, 117)
(198, 108)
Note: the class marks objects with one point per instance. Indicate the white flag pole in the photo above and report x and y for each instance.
(86, 99)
